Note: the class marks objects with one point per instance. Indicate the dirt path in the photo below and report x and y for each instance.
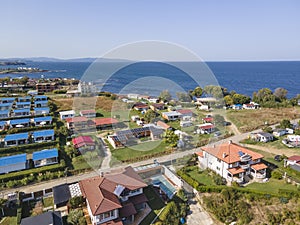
(233, 127)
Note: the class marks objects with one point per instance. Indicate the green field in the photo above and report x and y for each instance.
(139, 150)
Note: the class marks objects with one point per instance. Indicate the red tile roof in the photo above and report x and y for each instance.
(229, 152)
(206, 126)
(259, 166)
(185, 111)
(89, 111)
(105, 121)
(208, 119)
(82, 141)
(294, 158)
(99, 191)
(77, 119)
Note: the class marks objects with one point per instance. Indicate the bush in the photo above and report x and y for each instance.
(276, 174)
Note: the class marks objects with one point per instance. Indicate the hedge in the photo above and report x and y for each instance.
(21, 174)
(27, 148)
(191, 181)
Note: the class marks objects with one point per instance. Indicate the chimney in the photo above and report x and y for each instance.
(224, 155)
(101, 174)
(230, 142)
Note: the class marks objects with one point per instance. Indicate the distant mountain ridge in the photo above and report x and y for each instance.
(49, 59)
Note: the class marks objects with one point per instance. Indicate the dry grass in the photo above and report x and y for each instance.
(98, 103)
(248, 120)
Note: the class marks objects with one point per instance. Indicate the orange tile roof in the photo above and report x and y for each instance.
(162, 124)
(236, 170)
(200, 154)
(259, 166)
(229, 152)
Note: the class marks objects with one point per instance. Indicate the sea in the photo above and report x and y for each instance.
(242, 77)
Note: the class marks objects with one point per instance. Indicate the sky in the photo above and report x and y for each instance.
(215, 30)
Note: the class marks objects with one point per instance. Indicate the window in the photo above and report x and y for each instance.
(219, 160)
(218, 168)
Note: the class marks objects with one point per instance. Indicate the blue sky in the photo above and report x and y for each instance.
(215, 30)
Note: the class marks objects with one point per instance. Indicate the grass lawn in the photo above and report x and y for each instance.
(9, 220)
(272, 186)
(155, 203)
(201, 176)
(47, 202)
(142, 149)
(247, 120)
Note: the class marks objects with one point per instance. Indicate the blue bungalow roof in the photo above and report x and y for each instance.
(46, 109)
(42, 119)
(40, 101)
(13, 137)
(23, 103)
(45, 154)
(7, 99)
(5, 104)
(2, 112)
(40, 96)
(21, 110)
(43, 133)
(24, 98)
(19, 121)
(11, 160)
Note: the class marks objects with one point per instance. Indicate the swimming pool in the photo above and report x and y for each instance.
(164, 185)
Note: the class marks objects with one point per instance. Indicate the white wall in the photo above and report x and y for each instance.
(14, 167)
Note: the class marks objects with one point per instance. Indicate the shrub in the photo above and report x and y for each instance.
(276, 175)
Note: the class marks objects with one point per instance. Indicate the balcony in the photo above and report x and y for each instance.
(258, 175)
(245, 166)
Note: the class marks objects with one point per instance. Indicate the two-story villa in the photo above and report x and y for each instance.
(233, 162)
(114, 198)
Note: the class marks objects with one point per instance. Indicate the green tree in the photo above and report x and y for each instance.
(263, 95)
(171, 138)
(280, 93)
(240, 99)
(74, 216)
(76, 202)
(165, 95)
(149, 115)
(183, 97)
(197, 92)
(285, 124)
(267, 129)
(228, 100)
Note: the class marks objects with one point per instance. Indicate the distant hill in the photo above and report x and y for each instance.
(49, 59)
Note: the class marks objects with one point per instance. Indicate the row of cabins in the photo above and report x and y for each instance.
(20, 162)
(20, 107)
(23, 138)
(232, 162)
(18, 123)
(251, 105)
(24, 112)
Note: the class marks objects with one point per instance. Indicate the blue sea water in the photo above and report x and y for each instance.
(243, 77)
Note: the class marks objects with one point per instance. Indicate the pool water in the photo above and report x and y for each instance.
(164, 185)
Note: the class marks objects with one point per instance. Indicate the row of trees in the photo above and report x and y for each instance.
(265, 96)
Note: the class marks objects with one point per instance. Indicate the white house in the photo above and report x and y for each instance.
(87, 88)
(232, 162)
(171, 116)
(15, 139)
(262, 137)
(184, 123)
(66, 114)
(43, 135)
(206, 128)
(45, 157)
(293, 138)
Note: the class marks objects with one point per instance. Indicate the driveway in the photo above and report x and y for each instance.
(198, 216)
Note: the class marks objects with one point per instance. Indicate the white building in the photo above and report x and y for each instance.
(232, 162)
(12, 163)
(66, 114)
(87, 88)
